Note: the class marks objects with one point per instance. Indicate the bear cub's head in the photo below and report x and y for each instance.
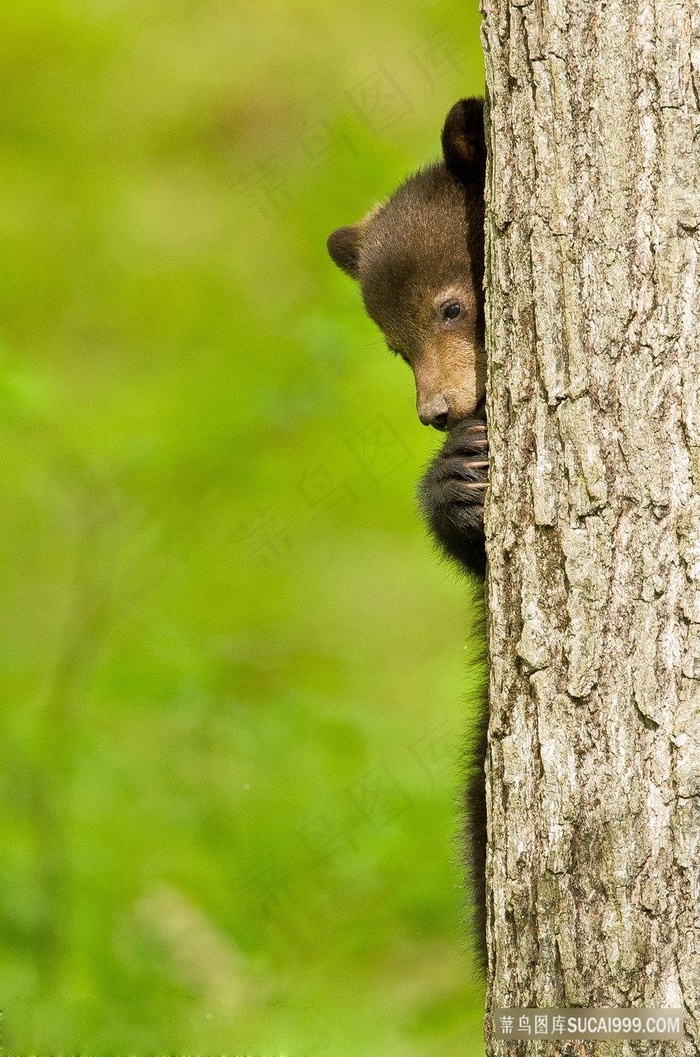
(419, 259)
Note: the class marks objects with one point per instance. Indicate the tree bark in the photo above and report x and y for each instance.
(593, 514)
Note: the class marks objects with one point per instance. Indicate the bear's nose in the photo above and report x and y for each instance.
(435, 412)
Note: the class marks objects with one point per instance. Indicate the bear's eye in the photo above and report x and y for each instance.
(451, 311)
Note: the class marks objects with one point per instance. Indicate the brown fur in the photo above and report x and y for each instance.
(421, 251)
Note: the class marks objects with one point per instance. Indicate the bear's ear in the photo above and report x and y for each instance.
(464, 142)
(344, 247)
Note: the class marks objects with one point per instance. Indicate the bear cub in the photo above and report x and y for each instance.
(419, 261)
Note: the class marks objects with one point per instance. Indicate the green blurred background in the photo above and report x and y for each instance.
(233, 675)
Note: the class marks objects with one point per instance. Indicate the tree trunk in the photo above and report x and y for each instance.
(593, 516)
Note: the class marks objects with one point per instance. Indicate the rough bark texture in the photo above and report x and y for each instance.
(593, 517)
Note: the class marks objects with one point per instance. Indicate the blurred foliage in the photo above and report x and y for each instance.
(232, 678)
